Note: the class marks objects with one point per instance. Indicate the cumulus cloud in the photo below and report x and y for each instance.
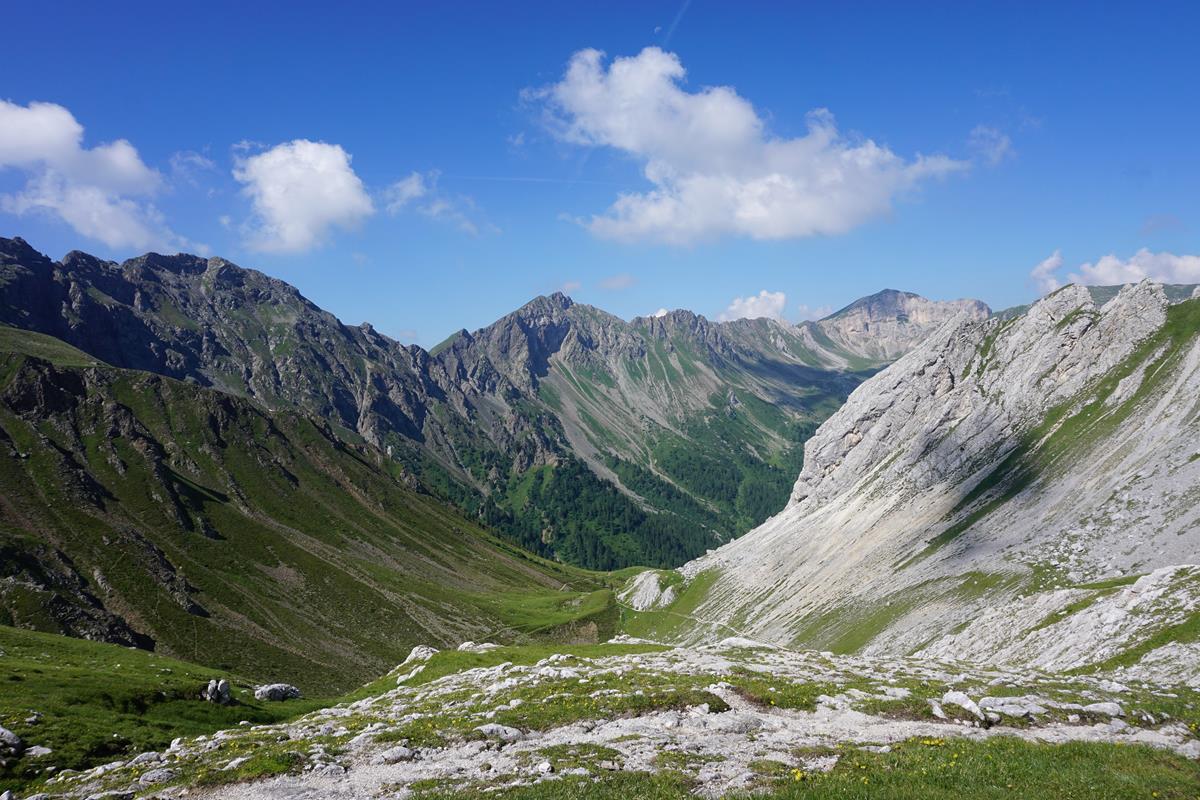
(1043, 274)
(1161, 267)
(102, 192)
(1111, 270)
(662, 312)
(420, 192)
(714, 168)
(300, 191)
(991, 145)
(763, 304)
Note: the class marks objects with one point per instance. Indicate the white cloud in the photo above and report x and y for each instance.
(990, 145)
(714, 167)
(420, 191)
(763, 304)
(404, 191)
(570, 286)
(300, 190)
(1161, 267)
(662, 312)
(618, 282)
(186, 165)
(807, 312)
(102, 192)
(1043, 274)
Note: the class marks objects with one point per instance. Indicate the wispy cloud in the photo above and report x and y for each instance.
(420, 191)
(990, 145)
(618, 282)
(1043, 275)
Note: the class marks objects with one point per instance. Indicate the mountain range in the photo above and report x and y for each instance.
(571, 432)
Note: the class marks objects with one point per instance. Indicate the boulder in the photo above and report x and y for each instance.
(161, 775)
(1109, 709)
(277, 692)
(961, 700)
(11, 745)
(217, 692)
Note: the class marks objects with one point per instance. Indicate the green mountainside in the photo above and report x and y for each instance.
(145, 511)
(568, 431)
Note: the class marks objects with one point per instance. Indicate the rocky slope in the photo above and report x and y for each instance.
(993, 496)
(722, 720)
(669, 435)
(140, 510)
(888, 324)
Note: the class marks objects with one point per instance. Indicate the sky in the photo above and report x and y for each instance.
(428, 167)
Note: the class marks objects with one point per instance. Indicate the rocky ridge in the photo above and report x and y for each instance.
(646, 408)
(1001, 481)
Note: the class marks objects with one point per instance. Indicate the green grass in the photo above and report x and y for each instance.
(39, 345)
(260, 545)
(100, 702)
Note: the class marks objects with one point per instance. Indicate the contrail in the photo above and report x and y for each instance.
(678, 17)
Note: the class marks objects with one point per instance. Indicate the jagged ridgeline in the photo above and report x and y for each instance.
(1020, 490)
(570, 432)
(145, 511)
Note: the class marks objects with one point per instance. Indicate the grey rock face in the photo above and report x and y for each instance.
(1059, 442)
(277, 692)
(888, 324)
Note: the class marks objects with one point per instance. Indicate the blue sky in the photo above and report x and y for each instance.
(433, 166)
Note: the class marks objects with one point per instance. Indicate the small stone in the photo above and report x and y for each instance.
(611, 766)
(545, 768)
(1109, 709)
(395, 755)
(502, 732)
(935, 708)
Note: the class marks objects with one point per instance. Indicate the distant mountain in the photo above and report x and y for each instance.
(1022, 489)
(143, 511)
(572, 432)
(888, 324)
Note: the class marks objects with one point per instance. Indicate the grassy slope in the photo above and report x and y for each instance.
(313, 563)
(98, 702)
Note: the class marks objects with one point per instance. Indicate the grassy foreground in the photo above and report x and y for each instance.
(91, 703)
(928, 769)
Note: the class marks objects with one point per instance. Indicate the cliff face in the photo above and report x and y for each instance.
(999, 459)
(888, 324)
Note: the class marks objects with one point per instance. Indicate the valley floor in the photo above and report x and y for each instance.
(635, 719)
